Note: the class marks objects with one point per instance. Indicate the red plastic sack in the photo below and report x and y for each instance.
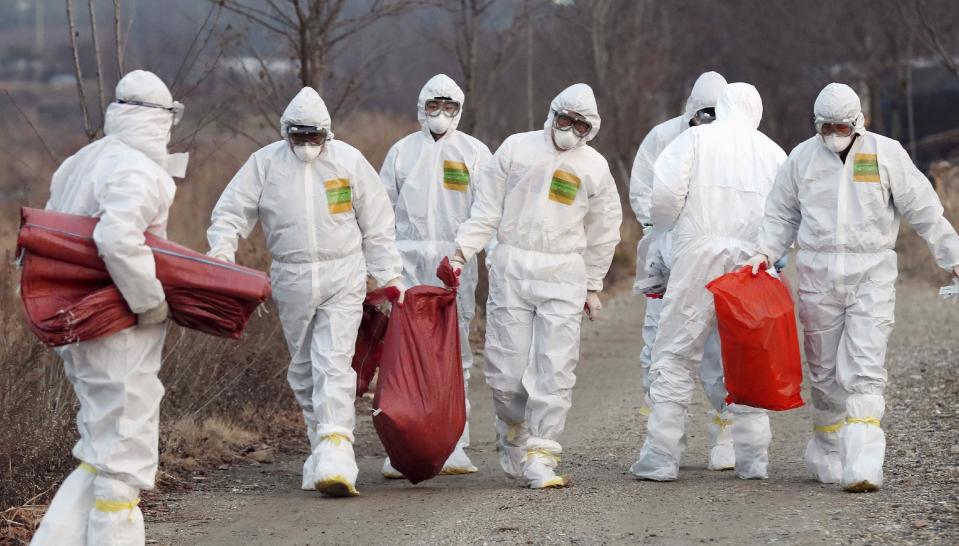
(757, 328)
(69, 296)
(369, 339)
(420, 404)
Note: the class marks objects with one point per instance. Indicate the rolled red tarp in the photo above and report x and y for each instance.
(369, 338)
(757, 329)
(420, 402)
(69, 297)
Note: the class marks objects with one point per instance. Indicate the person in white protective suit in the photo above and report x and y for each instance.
(840, 196)
(125, 180)
(552, 203)
(328, 223)
(654, 257)
(430, 177)
(711, 185)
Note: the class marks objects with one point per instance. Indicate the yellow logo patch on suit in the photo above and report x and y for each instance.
(456, 176)
(339, 195)
(563, 187)
(865, 168)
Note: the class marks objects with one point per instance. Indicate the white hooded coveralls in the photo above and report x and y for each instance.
(432, 185)
(845, 218)
(327, 224)
(655, 250)
(121, 180)
(556, 215)
(710, 187)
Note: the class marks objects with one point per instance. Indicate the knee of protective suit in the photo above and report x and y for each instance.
(671, 381)
(116, 518)
(510, 406)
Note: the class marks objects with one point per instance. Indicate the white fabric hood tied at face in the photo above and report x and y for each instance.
(144, 128)
(440, 85)
(837, 102)
(577, 98)
(705, 94)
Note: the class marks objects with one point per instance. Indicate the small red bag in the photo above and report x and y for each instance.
(757, 327)
(420, 403)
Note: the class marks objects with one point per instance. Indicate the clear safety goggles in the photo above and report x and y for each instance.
(304, 135)
(565, 120)
(842, 128)
(448, 108)
(176, 109)
(704, 116)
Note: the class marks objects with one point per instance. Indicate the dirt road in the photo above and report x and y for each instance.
(263, 504)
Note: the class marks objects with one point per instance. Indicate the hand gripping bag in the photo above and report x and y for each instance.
(68, 295)
(757, 327)
(369, 338)
(420, 406)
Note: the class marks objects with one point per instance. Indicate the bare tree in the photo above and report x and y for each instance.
(314, 30)
(90, 131)
(930, 29)
(102, 102)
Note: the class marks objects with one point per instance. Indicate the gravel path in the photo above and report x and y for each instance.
(263, 505)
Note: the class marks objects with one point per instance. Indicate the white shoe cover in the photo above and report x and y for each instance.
(115, 519)
(310, 462)
(863, 443)
(389, 472)
(665, 442)
(458, 463)
(335, 472)
(542, 456)
(65, 522)
(751, 438)
(721, 453)
(823, 458)
(511, 447)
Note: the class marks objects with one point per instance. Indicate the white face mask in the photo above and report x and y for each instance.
(438, 125)
(837, 143)
(565, 140)
(306, 154)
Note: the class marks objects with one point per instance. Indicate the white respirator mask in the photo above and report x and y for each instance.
(565, 140)
(837, 143)
(308, 153)
(438, 125)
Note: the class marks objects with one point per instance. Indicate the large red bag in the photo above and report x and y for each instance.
(69, 296)
(420, 405)
(757, 327)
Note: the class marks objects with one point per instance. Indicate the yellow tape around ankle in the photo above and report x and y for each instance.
(115, 506)
(830, 428)
(88, 468)
(542, 453)
(717, 420)
(336, 438)
(863, 421)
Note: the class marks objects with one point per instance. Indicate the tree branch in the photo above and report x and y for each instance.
(71, 26)
(96, 55)
(32, 126)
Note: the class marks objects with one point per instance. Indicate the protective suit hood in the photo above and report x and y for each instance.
(706, 91)
(439, 85)
(578, 98)
(837, 102)
(740, 103)
(145, 129)
(306, 108)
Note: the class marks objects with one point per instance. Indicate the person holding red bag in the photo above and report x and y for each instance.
(840, 196)
(711, 182)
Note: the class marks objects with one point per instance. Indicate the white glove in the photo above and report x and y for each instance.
(756, 261)
(157, 315)
(593, 305)
(398, 284)
(221, 256)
